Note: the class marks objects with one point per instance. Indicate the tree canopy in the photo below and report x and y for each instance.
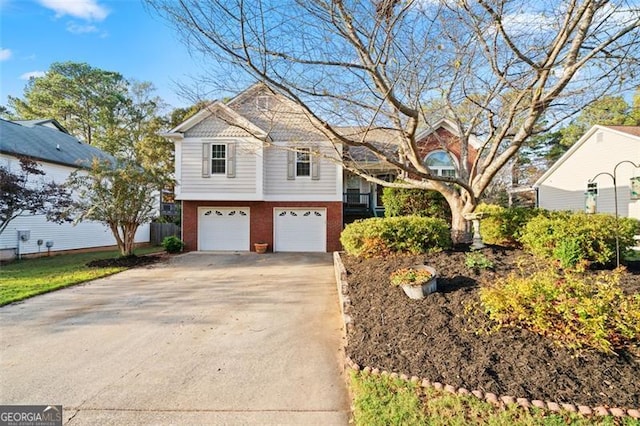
(123, 197)
(102, 108)
(502, 70)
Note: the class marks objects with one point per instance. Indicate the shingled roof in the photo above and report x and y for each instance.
(40, 142)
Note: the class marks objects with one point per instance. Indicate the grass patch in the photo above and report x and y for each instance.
(29, 277)
(385, 401)
(379, 400)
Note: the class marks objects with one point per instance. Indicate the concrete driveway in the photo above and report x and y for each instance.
(202, 339)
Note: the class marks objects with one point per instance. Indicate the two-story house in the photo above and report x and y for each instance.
(257, 169)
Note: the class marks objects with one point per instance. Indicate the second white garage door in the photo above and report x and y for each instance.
(297, 229)
(223, 228)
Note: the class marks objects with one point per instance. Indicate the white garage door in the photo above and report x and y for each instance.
(298, 229)
(223, 228)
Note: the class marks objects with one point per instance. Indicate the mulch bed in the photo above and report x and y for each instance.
(126, 262)
(443, 338)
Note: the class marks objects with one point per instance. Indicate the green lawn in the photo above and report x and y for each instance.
(29, 277)
(379, 400)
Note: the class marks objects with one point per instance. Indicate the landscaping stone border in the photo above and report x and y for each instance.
(497, 400)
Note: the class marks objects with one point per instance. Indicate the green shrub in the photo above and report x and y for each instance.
(383, 236)
(575, 310)
(570, 238)
(415, 202)
(172, 244)
(476, 260)
(503, 226)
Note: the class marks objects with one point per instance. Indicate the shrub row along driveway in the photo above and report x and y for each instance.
(204, 338)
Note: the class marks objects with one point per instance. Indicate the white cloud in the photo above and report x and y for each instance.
(32, 74)
(76, 28)
(5, 54)
(89, 10)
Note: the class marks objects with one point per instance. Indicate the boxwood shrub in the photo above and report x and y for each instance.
(503, 226)
(407, 234)
(415, 202)
(572, 238)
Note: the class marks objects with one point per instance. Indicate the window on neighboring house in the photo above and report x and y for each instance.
(218, 159)
(441, 164)
(592, 188)
(303, 162)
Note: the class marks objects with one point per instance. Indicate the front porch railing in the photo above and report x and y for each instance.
(357, 202)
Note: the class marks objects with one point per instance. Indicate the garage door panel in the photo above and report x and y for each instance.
(223, 228)
(300, 229)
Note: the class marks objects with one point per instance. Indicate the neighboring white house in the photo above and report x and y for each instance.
(565, 184)
(59, 154)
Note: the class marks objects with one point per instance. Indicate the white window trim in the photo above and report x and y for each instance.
(226, 165)
(230, 159)
(303, 151)
(438, 170)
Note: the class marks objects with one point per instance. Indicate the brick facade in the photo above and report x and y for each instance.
(445, 140)
(261, 220)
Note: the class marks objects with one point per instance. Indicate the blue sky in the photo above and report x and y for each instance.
(115, 35)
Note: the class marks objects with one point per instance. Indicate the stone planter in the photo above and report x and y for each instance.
(261, 247)
(418, 292)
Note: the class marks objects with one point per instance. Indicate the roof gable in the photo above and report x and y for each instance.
(629, 131)
(451, 127)
(220, 110)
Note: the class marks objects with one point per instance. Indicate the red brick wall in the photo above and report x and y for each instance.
(261, 220)
(444, 139)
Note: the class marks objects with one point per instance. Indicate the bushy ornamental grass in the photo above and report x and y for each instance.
(407, 234)
(573, 238)
(575, 310)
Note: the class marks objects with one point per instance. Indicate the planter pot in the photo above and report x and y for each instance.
(261, 247)
(418, 292)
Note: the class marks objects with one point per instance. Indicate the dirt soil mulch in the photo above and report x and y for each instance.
(442, 339)
(126, 262)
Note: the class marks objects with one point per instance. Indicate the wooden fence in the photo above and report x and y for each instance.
(161, 230)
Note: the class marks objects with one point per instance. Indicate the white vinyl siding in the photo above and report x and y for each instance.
(65, 236)
(278, 181)
(565, 187)
(191, 178)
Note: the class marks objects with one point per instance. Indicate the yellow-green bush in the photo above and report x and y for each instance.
(415, 202)
(407, 234)
(503, 226)
(571, 238)
(575, 310)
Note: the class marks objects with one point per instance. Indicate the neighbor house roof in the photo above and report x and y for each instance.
(39, 141)
(48, 123)
(633, 131)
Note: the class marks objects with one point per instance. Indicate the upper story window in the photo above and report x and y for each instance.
(303, 162)
(441, 164)
(218, 159)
